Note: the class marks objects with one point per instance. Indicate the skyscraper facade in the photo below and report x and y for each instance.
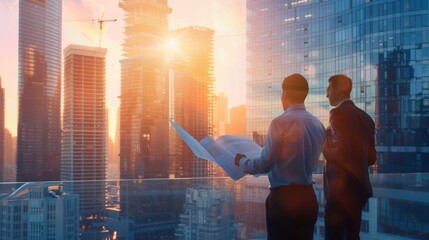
(84, 145)
(2, 136)
(382, 45)
(144, 117)
(144, 90)
(192, 90)
(39, 90)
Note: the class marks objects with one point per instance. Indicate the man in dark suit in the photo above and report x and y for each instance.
(349, 149)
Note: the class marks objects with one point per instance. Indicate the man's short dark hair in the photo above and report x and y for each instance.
(341, 82)
(296, 88)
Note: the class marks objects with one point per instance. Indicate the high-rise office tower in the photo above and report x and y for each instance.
(192, 90)
(39, 90)
(144, 117)
(84, 145)
(382, 45)
(144, 90)
(2, 139)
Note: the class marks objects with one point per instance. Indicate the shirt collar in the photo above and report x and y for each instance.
(347, 99)
(297, 106)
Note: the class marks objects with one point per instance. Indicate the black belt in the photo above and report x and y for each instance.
(292, 186)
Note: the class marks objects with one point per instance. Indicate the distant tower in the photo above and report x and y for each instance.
(192, 87)
(220, 115)
(237, 121)
(9, 157)
(144, 90)
(39, 75)
(84, 145)
(207, 214)
(2, 139)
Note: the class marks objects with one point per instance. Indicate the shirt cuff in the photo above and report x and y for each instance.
(243, 161)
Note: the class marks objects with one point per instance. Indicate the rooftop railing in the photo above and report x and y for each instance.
(194, 208)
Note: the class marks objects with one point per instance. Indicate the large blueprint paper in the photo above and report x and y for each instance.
(222, 151)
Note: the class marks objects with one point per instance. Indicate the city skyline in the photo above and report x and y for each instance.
(80, 26)
(382, 45)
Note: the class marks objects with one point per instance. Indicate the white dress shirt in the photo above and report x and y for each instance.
(291, 150)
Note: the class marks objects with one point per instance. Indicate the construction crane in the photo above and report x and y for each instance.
(101, 21)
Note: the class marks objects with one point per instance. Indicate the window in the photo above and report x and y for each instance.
(364, 227)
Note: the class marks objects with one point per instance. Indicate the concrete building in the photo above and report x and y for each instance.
(84, 145)
(39, 211)
(207, 214)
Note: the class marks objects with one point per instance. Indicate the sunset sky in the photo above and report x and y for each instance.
(226, 17)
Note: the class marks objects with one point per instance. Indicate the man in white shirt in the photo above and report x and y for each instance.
(289, 156)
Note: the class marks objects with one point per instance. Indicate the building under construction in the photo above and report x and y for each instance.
(144, 121)
(144, 90)
(191, 105)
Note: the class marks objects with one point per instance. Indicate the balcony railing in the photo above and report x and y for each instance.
(196, 208)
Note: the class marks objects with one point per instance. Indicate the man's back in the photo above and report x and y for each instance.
(292, 148)
(290, 153)
(354, 151)
(302, 135)
(349, 148)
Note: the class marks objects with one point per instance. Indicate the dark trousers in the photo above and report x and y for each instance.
(291, 212)
(342, 222)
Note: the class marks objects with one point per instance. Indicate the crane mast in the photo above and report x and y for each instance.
(101, 21)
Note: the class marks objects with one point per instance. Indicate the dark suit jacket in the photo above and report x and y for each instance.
(349, 149)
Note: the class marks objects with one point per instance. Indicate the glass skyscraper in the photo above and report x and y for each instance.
(39, 90)
(382, 45)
